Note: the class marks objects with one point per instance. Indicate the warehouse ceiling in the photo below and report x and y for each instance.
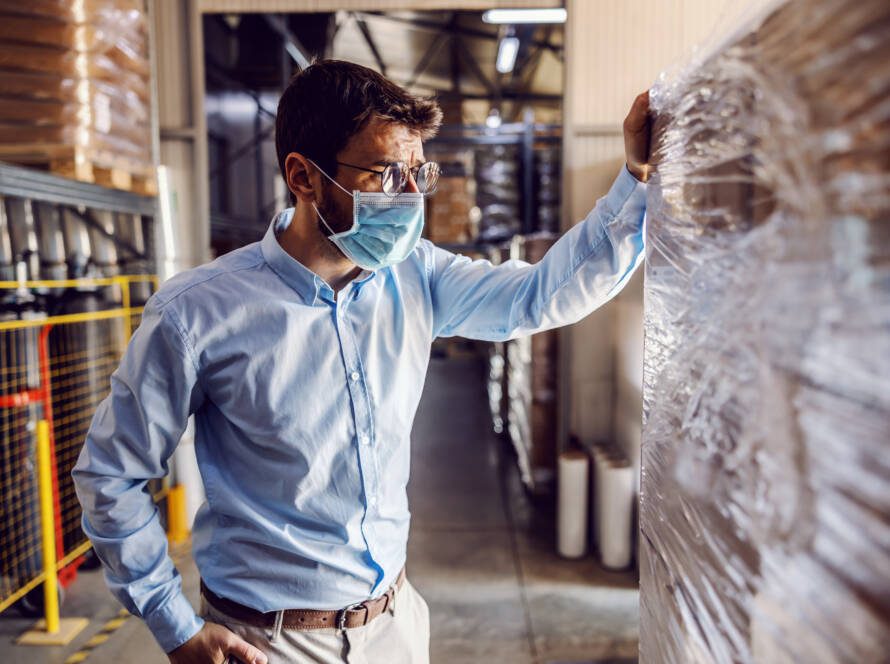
(448, 54)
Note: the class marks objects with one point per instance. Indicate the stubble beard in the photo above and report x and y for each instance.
(332, 216)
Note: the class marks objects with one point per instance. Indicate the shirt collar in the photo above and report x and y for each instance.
(296, 275)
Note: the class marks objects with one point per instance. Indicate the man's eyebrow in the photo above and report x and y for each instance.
(387, 162)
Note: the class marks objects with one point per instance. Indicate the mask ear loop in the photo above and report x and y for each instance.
(321, 170)
(330, 230)
(315, 207)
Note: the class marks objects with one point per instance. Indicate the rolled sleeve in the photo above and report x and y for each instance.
(583, 270)
(131, 438)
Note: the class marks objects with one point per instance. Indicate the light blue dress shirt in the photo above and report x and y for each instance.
(303, 407)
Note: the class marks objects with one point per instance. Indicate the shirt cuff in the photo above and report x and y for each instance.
(625, 188)
(174, 623)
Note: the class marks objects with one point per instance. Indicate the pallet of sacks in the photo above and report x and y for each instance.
(75, 90)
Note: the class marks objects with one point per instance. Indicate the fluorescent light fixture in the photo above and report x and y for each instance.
(508, 48)
(514, 16)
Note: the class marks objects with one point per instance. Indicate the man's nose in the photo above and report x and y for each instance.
(411, 185)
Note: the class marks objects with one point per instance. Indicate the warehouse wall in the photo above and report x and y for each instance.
(613, 52)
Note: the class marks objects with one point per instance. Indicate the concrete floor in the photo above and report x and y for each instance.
(480, 552)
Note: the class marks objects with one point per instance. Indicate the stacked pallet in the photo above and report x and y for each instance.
(765, 482)
(75, 90)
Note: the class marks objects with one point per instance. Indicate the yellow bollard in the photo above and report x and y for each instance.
(51, 630)
(177, 531)
(47, 525)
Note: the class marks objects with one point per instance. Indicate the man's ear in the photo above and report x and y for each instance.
(303, 179)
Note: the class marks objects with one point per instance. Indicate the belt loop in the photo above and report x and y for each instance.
(279, 622)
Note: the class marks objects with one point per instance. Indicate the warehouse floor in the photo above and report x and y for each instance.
(480, 553)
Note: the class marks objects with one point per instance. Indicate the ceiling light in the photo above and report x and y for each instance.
(512, 16)
(493, 121)
(508, 48)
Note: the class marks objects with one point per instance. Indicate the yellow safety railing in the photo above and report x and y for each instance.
(55, 368)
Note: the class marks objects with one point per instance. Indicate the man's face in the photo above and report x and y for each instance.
(378, 144)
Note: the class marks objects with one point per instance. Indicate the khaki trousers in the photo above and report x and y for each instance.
(400, 635)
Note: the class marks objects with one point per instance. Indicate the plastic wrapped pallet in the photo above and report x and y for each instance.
(497, 192)
(74, 89)
(765, 489)
(548, 188)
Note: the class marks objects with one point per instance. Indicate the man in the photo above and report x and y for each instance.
(303, 357)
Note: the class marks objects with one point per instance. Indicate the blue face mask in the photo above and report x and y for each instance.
(385, 229)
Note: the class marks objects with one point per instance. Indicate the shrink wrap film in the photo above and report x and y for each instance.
(765, 480)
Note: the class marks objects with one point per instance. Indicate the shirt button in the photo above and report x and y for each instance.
(365, 439)
(354, 375)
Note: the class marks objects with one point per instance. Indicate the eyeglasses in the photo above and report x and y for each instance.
(394, 178)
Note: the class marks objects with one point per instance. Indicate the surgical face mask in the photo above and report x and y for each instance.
(385, 229)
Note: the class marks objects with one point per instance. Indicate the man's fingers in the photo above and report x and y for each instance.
(639, 113)
(244, 652)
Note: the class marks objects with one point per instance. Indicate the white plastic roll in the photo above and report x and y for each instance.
(572, 501)
(614, 510)
(603, 455)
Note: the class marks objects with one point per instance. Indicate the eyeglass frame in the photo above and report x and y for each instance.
(412, 171)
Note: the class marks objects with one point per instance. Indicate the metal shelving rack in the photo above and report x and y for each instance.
(522, 134)
(20, 182)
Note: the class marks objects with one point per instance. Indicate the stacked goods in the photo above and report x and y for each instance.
(765, 482)
(74, 89)
(497, 192)
(497, 367)
(544, 362)
(548, 188)
(532, 388)
(450, 211)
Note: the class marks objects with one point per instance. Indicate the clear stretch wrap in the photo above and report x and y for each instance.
(765, 489)
(74, 81)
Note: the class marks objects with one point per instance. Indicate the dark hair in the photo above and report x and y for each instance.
(330, 101)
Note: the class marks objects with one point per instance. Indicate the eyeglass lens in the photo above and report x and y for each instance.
(395, 178)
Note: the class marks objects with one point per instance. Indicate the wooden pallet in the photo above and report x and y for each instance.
(85, 165)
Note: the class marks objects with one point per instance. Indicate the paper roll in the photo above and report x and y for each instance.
(572, 501)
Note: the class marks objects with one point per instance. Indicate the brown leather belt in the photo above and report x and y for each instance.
(356, 615)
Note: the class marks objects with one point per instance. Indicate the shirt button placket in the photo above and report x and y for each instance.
(362, 416)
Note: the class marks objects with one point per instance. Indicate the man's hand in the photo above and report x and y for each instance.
(637, 133)
(214, 644)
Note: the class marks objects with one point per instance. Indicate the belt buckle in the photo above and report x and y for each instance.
(341, 616)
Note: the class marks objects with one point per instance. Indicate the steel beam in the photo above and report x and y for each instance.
(369, 40)
(291, 44)
(17, 181)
